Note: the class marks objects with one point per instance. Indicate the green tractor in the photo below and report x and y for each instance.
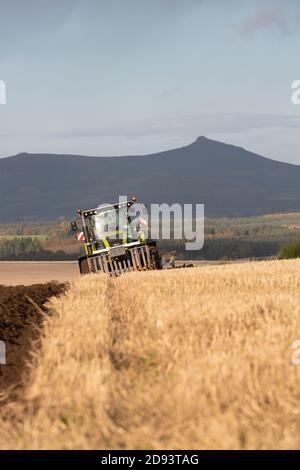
(115, 240)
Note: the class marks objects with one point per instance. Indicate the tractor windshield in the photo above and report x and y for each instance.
(110, 223)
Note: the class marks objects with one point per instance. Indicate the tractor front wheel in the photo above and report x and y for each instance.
(83, 265)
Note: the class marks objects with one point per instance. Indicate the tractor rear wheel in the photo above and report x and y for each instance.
(155, 258)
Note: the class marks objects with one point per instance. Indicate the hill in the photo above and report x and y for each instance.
(229, 180)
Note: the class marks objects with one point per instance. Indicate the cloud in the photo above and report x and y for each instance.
(272, 17)
(273, 135)
(185, 125)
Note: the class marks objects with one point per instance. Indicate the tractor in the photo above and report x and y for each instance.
(115, 239)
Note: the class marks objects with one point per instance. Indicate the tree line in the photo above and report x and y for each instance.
(24, 249)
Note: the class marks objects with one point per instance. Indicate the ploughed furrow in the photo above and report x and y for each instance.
(22, 311)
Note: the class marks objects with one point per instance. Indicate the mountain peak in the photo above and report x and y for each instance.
(201, 139)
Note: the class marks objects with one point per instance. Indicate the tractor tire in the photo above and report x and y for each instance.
(155, 258)
(83, 265)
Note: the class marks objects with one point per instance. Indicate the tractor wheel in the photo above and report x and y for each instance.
(83, 265)
(155, 258)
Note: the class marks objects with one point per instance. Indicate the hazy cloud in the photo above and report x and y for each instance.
(273, 135)
(193, 124)
(272, 17)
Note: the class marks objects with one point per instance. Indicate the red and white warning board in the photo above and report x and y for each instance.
(80, 236)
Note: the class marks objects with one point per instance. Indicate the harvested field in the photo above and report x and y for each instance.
(13, 273)
(195, 358)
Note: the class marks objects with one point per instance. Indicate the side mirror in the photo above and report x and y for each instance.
(74, 226)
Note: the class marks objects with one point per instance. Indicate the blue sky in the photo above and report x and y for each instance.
(120, 77)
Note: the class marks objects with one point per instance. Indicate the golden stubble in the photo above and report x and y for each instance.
(187, 358)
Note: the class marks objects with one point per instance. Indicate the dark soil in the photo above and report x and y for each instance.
(22, 312)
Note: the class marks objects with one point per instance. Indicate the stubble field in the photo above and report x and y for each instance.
(188, 358)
